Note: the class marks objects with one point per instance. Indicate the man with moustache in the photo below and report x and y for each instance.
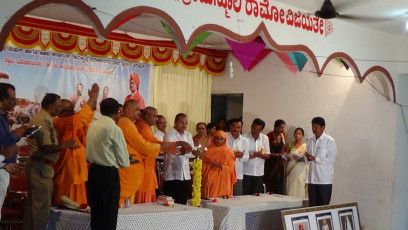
(239, 145)
(176, 167)
(44, 148)
(258, 153)
(161, 126)
(321, 153)
(7, 138)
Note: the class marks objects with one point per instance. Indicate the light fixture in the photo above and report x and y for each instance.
(231, 70)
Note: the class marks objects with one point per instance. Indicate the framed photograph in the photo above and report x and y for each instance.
(324, 221)
(329, 217)
(346, 219)
(301, 223)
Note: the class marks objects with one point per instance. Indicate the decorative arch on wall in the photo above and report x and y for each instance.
(388, 79)
(183, 44)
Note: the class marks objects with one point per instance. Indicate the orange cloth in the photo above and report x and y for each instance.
(132, 177)
(136, 96)
(147, 191)
(215, 181)
(71, 171)
(145, 197)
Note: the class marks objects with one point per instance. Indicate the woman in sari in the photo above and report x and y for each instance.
(201, 139)
(218, 173)
(296, 169)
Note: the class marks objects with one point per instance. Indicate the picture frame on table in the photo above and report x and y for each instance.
(324, 221)
(301, 223)
(329, 217)
(346, 219)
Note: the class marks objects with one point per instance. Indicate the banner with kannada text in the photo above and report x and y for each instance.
(35, 73)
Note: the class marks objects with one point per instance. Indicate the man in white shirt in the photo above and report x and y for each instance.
(321, 152)
(258, 153)
(106, 151)
(239, 145)
(176, 165)
(161, 125)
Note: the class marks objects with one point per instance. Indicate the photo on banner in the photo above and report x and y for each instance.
(35, 73)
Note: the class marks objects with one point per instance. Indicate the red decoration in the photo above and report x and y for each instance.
(65, 37)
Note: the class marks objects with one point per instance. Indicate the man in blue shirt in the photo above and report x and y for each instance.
(7, 138)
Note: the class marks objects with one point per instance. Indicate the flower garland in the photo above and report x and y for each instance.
(196, 195)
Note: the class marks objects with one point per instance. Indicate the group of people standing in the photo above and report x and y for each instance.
(268, 163)
(107, 161)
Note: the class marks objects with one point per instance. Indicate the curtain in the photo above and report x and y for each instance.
(176, 89)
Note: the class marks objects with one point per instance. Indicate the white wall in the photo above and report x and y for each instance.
(362, 121)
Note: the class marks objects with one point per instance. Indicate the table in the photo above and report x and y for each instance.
(252, 212)
(139, 216)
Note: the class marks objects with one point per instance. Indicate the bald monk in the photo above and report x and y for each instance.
(147, 191)
(138, 148)
(71, 171)
(219, 176)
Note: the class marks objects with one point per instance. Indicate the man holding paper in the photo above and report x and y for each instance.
(321, 151)
(7, 138)
(258, 153)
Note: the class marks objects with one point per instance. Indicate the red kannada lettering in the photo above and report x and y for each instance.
(263, 10)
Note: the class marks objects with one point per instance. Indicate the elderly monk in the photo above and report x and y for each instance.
(147, 191)
(134, 82)
(131, 178)
(219, 176)
(71, 171)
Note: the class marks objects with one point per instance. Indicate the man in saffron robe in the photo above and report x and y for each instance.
(147, 191)
(219, 176)
(71, 171)
(131, 178)
(134, 82)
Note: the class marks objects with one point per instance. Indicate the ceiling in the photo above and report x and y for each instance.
(389, 16)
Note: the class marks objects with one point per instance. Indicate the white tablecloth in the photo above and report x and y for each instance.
(251, 212)
(139, 216)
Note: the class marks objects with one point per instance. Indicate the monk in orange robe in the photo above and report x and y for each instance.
(218, 173)
(147, 191)
(131, 178)
(71, 171)
(134, 82)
